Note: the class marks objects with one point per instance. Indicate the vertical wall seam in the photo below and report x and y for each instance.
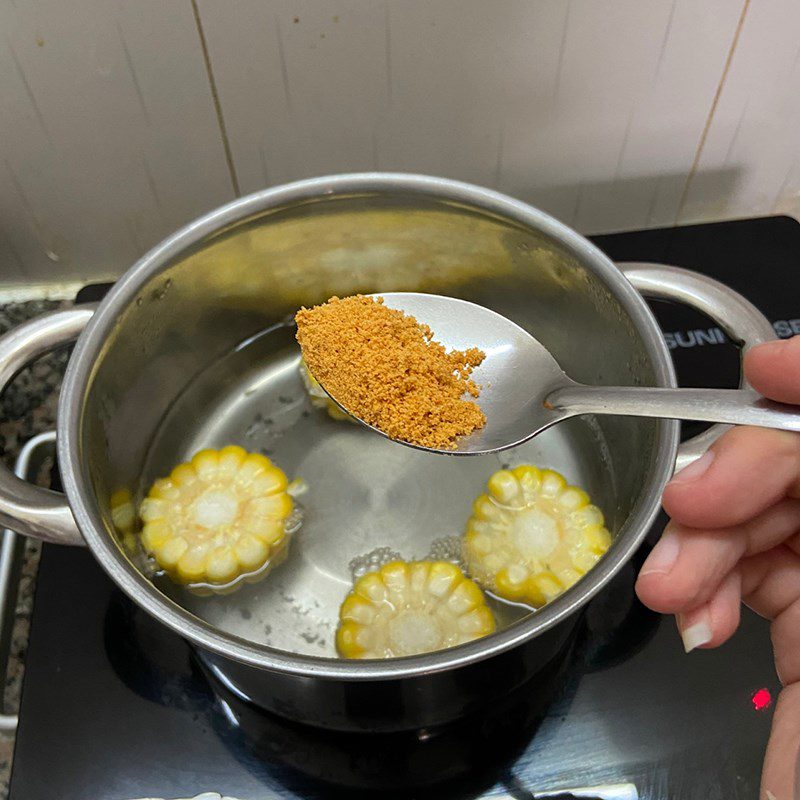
(215, 97)
(711, 112)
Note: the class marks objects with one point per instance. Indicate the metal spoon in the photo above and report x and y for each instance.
(525, 391)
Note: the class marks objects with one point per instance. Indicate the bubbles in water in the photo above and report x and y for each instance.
(447, 548)
(372, 561)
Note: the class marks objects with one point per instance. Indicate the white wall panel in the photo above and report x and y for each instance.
(302, 85)
(604, 128)
(602, 112)
(754, 137)
(108, 137)
(592, 110)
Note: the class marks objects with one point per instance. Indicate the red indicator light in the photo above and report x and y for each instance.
(761, 699)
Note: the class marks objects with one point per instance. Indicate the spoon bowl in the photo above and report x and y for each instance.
(524, 390)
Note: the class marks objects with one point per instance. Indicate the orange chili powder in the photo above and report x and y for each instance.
(385, 368)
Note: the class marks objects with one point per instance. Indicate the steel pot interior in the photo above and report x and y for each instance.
(153, 379)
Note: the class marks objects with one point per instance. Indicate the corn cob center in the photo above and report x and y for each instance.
(412, 632)
(535, 532)
(215, 508)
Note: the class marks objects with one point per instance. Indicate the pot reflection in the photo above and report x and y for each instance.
(456, 760)
(459, 759)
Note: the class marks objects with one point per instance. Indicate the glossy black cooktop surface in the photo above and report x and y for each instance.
(115, 707)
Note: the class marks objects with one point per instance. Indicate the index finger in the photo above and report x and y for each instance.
(745, 472)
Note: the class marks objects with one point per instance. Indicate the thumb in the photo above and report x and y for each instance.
(773, 369)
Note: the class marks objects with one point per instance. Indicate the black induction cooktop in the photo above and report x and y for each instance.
(115, 707)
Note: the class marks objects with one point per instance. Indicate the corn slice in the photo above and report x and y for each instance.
(532, 536)
(406, 608)
(217, 519)
(319, 397)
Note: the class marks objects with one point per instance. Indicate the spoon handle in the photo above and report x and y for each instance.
(736, 406)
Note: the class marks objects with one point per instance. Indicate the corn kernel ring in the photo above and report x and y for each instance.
(217, 518)
(531, 536)
(407, 608)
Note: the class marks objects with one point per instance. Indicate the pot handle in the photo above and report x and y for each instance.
(744, 324)
(25, 508)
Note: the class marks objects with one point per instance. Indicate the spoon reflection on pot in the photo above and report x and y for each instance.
(525, 391)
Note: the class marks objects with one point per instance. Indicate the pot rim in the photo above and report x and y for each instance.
(204, 635)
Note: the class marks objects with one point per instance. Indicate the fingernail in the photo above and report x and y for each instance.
(664, 555)
(695, 628)
(695, 470)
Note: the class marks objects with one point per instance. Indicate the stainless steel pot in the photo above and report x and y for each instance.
(241, 270)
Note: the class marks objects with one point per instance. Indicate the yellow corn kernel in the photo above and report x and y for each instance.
(222, 564)
(155, 533)
(357, 609)
(532, 536)
(348, 641)
(123, 517)
(169, 552)
(218, 519)
(123, 514)
(406, 608)
(319, 397)
(547, 584)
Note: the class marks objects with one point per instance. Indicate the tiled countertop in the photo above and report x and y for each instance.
(28, 407)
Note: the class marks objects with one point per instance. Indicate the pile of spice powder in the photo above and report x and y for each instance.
(385, 368)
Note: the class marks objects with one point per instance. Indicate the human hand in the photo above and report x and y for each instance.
(734, 537)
